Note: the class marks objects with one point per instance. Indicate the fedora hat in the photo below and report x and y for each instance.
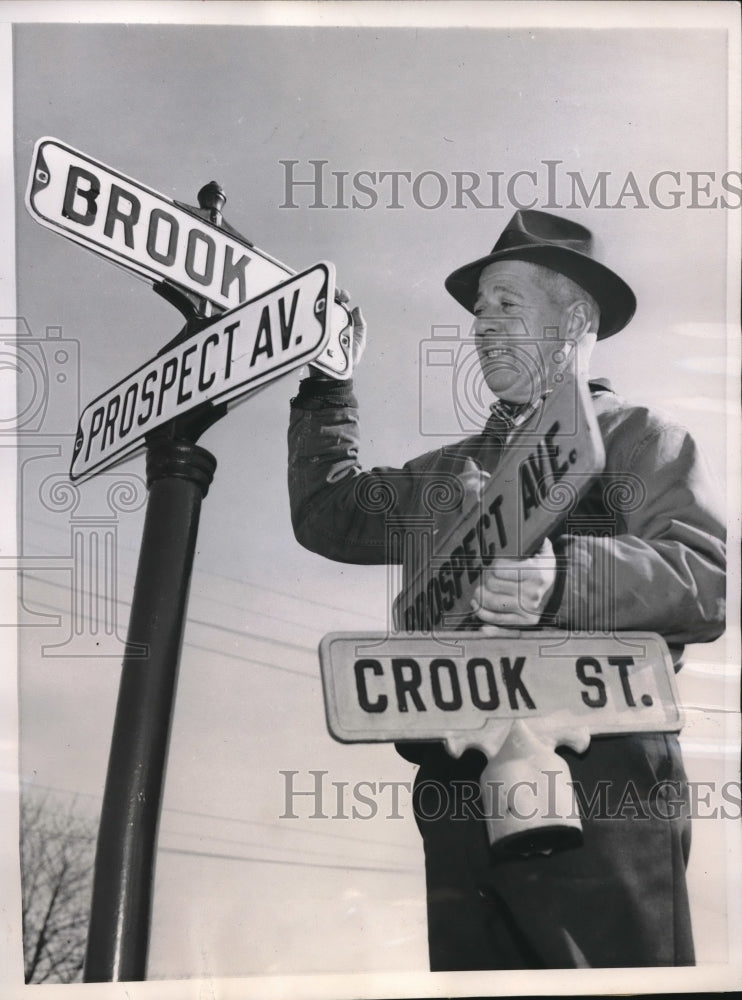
(560, 245)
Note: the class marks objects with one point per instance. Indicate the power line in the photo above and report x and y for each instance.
(252, 635)
(56, 835)
(302, 832)
(196, 621)
(221, 576)
(295, 597)
(249, 659)
(247, 843)
(298, 864)
(221, 652)
(234, 819)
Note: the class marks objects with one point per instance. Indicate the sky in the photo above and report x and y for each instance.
(175, 106)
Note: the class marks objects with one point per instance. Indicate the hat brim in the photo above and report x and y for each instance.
(616, 301)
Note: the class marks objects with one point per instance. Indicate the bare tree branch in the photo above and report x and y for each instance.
(57, 855)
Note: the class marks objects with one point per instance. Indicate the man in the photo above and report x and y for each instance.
(618, 899)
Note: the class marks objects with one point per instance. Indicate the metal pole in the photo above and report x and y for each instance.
(178, 476)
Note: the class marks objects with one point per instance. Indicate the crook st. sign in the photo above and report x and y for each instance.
(456, 686)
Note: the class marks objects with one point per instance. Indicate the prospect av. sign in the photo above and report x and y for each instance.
(242, 349)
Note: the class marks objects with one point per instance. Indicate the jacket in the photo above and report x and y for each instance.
(660, 567)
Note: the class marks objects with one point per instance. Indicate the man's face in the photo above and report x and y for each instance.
(518, 330)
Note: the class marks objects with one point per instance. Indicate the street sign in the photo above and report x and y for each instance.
(381, 688)
(538, 479)
(159, 240)
(242, 349)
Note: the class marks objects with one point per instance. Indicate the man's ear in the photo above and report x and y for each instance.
(579, 319)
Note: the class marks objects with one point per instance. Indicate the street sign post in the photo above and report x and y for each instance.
(179, 473)
(242, 349)
(158, 239)
(275, 320)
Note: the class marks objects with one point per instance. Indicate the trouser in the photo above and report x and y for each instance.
(618, 899)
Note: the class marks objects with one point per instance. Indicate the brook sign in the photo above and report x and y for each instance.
(156, 238)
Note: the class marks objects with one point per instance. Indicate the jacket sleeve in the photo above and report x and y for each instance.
(663, 568)
(338, 510)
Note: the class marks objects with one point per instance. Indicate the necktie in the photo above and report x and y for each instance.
(503, 420)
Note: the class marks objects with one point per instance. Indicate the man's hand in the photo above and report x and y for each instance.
(514, 592)
(473, 480)
(359, 334)
(358, 325)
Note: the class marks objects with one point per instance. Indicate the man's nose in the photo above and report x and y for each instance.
(491, 325)
(483, 328)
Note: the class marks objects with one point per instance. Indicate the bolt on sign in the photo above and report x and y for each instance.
(147, 233)
(458, 686)
(545, 467)
(240, 350)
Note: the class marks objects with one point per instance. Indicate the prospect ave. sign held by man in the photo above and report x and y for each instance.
(544, 469)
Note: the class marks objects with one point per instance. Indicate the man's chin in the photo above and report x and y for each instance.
(518, 399)
(511, 393)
